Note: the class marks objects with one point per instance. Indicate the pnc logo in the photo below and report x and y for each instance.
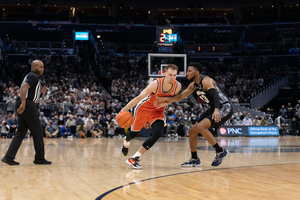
(222, 131)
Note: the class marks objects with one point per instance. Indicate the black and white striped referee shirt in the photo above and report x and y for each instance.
(33, 92)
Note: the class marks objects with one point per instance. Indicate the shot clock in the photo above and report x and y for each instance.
(166, 38)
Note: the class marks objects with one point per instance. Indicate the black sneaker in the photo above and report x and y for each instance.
(9, 162)
(42, 162)
(192, 163)
(219, 158)
(124, 151)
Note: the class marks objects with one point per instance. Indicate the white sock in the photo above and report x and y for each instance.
(137, 154)
(126, 144)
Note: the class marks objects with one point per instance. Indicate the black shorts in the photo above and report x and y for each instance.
(226, 111)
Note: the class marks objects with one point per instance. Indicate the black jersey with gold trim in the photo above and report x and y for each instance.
(203, 94)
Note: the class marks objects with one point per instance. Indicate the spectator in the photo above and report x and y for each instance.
(101, 121)
(238, 113)
(65, 131)
(295, 124)
(13, 125)
(247, 121)
(194, 119)
(79, 121)
(80, 107)
(189, 102)
(289, 113)
(89, 122)
(111, 128)
(269, 120)
(3, 120)
(289, 106)
(184, 126)
(297, 109)
(282, 112)
(279, 121)
(108, 108)
(107, 122)
(270, 113)
(119, 130)
(232, 121)
(96, 130)
(256, 121)
(171, 118)
(43, 120)
(263, 121)
(179, 110)
(10, 105)
(234, 100)
(60, 122)
(72, 124)
(238, 121)
(81, 131)
(244, 115)
(4, 129)
(51, 130)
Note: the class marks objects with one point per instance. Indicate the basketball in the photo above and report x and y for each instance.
(125, 119)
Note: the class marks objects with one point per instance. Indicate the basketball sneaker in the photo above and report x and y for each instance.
(134, 162)
(192, 163)
(219, 158)
(124, 148)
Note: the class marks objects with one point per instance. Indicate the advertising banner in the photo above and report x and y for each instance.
(234, 131)
(263, 131)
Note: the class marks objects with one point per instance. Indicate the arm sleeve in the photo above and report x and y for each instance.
(31, 79)
(213, 92)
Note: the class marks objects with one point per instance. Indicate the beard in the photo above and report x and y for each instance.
(192, 79)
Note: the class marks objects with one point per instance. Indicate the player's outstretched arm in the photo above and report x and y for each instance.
(151, 88)
(176, 98)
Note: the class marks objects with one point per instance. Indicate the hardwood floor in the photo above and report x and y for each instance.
(93, 168)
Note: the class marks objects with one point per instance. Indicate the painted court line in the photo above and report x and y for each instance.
(212, 169)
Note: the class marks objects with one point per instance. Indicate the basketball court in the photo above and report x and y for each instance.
(93, 168)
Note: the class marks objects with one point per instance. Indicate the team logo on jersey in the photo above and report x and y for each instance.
(200, 92)
(222, 131)
(147, 125)
(202, 96)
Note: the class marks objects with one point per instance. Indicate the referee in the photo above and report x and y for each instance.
(29, 116)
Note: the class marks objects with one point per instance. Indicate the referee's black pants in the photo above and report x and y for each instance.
(29, 119)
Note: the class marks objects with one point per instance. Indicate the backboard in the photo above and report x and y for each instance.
(158, 62)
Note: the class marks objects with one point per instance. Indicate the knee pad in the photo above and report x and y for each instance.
(157, 127)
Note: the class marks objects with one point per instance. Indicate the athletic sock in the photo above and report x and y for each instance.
(218, 148)
(194, 155)
(126, 144)
(137, 154)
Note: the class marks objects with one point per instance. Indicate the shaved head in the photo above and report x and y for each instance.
(37, 67)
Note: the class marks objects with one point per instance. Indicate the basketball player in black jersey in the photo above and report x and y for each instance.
(220, 111)
(29, 116)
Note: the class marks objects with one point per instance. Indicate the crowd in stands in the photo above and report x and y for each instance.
(76, 104)
(276, 35)
(215, 37)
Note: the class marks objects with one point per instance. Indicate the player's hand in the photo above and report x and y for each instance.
(160, 102)
(160, 105)
(21, 109)
(216, 116)
(161, 99)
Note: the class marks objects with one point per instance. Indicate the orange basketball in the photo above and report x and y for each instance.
(125, 119)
